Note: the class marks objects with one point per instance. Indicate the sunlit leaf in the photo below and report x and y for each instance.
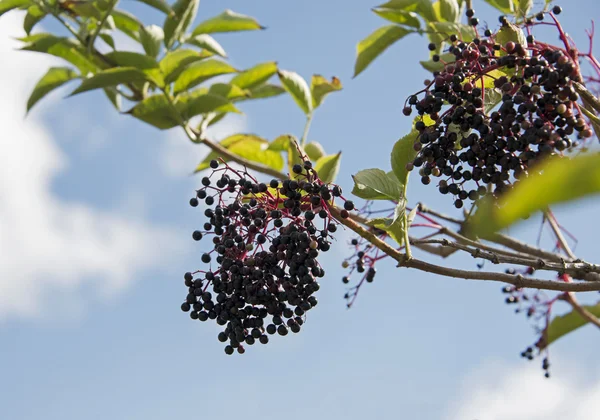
(314, 150)
(151, 37)
(111, 77)
(176, 23)
(321, 87)
(196, 73)
(375, 184)
(372, 46)
(208, 43)
(504, 6)
(401, 17)
(558, 180)
(54, 78)
(228, 21)
(7, 5)
(161, 5)
(255, 76)
(65, 48)
(175, 62)
(297, 87)
(403, 153)
(127, 23)
(266, 91)
(565, 324)
(155, 110)
(327, 167)
(34, 15)
(438, 65)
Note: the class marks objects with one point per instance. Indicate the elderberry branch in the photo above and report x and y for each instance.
(517, 280)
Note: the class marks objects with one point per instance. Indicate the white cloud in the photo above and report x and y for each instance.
(497, 391)
(47, 244)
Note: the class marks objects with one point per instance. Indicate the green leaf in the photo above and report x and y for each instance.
(247, 146)
(132, 59)
(314, 150)
(510, 32)
(449, 10)
(175, 62)
(375, 184)
(327, 167)
(297, 87)
(255, 76)
(422, 7)
(280, 144)
(565, 324)
(464, 32)
(196, 73)
(151, 37)
(403, 153)
(8, 5)
(294, 155)
(176, 23)
(67, 49)
(439, 65)
(228, 21)
(33, 16)
(111, 77)
(205, 103)
(161, 5)
(127, 23)
(372, 46)
(228, 91)
(394, 227)
(492, 97)
(401, 17)
(411, 216)
(504, 6)
(523, 7)
(208, 43)
(114, 97)
(155, 110)
(266, 91)
(557, 180)
(321, 87)
(54, 78)
(108, 39)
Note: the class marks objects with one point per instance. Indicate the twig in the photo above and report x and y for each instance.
(90, 44)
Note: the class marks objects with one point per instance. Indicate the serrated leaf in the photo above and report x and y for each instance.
(65, 48)
(34, 15)
(196, 73)
(504, 6)
(403, 153)
(449, 10)
(372, 46)
(565, 324)
(314, 150)
(176, 23)
(175, 62)
(438, 65)
(401, 17)
(297, 87)
(375, 184)
(151, 37)
(111, 77)
(228, 21)
(208, 43)
(266, 91)
(161, 5)
(557, 180)
(127, 23)
(54, 78)
(7, 5)
(422, 7)
(327, 167)
(248, 146)
(155, 110)
(255, 76)
(321, 87)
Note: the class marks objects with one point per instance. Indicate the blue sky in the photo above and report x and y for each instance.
(95, 235)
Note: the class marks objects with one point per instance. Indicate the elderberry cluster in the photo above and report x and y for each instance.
(266, 240)
(473, 150)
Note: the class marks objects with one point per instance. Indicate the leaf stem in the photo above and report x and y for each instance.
(92, 39)
(306, 128)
